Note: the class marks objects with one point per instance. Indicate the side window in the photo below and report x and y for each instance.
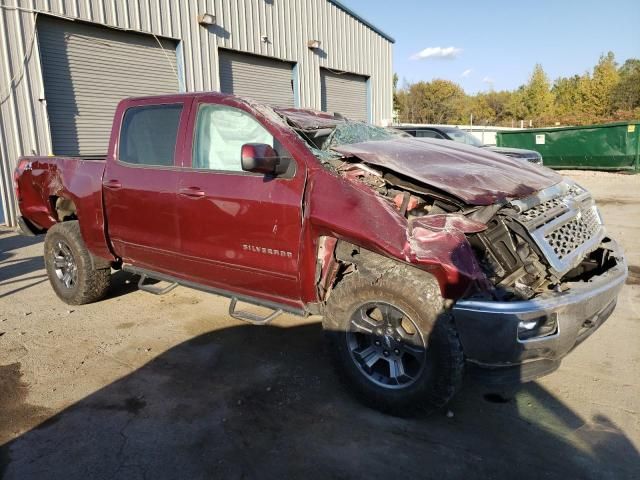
(148, 135)
(219, 135)
(428, 134)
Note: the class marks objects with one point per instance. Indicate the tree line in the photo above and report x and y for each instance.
(608, 93)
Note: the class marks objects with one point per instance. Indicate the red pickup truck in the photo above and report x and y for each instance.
(424, 257)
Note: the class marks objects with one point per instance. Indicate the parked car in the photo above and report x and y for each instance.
(458, 135)
(420, 266)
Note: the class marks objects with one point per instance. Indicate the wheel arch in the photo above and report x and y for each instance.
(64, 208)
(66, 211)
(337, 258)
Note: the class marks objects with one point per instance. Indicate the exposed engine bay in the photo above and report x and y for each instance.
(523, 251)
(526, 246)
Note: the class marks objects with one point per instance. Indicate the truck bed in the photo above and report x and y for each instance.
(41, 180)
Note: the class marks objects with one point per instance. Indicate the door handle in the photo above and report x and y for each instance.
(112, 184)
(192, 192)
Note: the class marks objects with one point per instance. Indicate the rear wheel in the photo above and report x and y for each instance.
(69, 266)
(392, 340)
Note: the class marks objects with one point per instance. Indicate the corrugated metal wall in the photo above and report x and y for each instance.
(347, 45)
(261, 78)
(344, 93)
(87, 71)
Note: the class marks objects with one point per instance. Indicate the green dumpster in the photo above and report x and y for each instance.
(612, 146)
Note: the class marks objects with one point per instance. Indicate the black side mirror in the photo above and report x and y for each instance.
(262, 158)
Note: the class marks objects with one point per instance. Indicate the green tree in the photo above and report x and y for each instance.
(599, 92)
(438, 101)
(444, 101)
(626, 94)
(489, 108)
(607, 93)
(478, 106)
(536, 96)
(396, 105)
(516, 107)
(571, 100)
(567, 95)
(498, 102)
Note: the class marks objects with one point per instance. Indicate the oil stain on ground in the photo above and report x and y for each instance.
(615, 201)
(125, 325)
(16, 413)
(132, 405)
(634, 275)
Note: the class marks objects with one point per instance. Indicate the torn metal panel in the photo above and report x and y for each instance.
(443, 237)
(327, 266)
(450, 223)
(374, 223)
(476, 176)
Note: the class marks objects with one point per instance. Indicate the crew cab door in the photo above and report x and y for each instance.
(239, 231)
(140, 183)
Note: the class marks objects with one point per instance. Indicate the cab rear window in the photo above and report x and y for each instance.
(148, 135)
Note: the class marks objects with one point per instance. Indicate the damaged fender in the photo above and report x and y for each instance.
(442, 239)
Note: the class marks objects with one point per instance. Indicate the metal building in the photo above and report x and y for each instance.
(64, 64)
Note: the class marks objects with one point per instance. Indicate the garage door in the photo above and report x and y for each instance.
(263, 79)
(344, 93)
(88, 69)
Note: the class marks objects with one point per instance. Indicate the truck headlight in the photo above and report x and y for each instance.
(538, 327)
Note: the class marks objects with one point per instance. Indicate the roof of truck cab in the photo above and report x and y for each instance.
(305, 118)
(175, 95)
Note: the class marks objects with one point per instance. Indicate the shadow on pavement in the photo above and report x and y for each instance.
(11, 267)
(19, 271)
(9, 242)
(262, 402)
(13, 270)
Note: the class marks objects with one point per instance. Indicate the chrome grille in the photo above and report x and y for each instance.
(568, 237)
(539, 210)
(564, 222)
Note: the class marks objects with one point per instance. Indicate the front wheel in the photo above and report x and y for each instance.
(69, 266)
(392, 340)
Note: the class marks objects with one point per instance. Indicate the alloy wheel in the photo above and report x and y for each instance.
(64, 264)
(386, 345)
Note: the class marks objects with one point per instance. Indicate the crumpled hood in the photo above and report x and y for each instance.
(474, 175)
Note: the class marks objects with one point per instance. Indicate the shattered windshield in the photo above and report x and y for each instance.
(324, 131)
(356, 132)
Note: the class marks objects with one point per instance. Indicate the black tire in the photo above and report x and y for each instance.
(416, 295)
(69, 266)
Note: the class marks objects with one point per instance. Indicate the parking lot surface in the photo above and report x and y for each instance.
(139, 386)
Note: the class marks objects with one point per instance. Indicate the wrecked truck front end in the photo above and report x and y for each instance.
(520, 252)
(517, 341)
(560, 286)
(552, 274)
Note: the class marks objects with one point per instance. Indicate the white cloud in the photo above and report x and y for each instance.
(437, 52)
(466, 73)
(488, 80)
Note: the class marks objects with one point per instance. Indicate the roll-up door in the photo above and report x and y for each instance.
(344, 93)
(263, 79)
(88, 69)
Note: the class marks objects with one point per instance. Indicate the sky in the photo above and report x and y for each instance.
(495, 44)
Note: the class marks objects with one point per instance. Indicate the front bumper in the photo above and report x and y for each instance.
(488, 330)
